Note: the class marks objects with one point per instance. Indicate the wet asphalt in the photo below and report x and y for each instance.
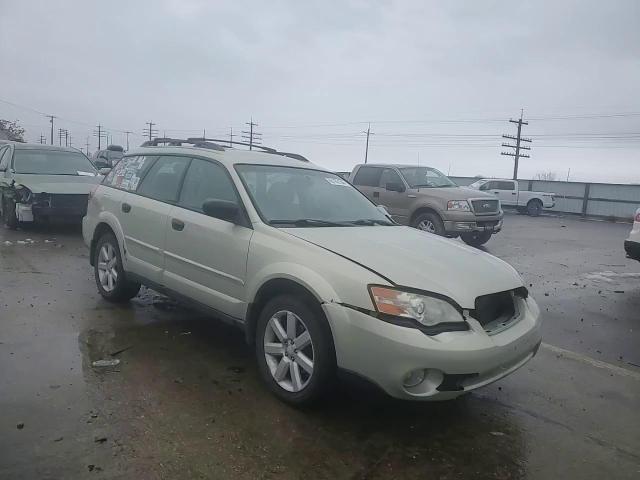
(185, 401)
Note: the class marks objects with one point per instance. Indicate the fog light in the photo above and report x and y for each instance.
(464, 225)
(414, 378)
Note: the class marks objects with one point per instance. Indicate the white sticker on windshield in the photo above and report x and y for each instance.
(85, 174)
(337, 181)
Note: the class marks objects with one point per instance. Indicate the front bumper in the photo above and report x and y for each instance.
(52, 205)
(632, 249)
(455, 362)
(472, 223)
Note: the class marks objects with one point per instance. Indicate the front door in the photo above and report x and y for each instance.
(396, 203)
(205, 257)
(367, 180)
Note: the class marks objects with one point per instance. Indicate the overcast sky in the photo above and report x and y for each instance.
(437, 80)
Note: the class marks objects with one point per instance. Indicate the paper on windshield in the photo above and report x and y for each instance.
(85, 174)
(337, 181)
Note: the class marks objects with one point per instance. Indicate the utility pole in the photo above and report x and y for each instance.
(43, 139)
(66, 138)
(100, 134)
(366, 151)
(51, 117)
(231, 137)
(518, 146)
(87, 145)
(127, 134)
(251, 136)
(149, 131)
(61, 134)
(204, 134)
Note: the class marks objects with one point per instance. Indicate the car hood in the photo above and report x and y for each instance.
(417, 259)
(71, 184)
(453, 193)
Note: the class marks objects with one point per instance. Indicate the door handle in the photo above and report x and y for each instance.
(177, 224)
(126, 208)
(376, 194)
(513, 193)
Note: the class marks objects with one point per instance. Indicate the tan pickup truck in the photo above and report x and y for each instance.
(425, 198)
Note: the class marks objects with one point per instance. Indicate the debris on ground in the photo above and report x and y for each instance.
(20, 426)
(59, 439)
(618, 291)
(497, 434)
(184, 333)
(118, 352)
(236, 369)
(100, 439)
(112, 362)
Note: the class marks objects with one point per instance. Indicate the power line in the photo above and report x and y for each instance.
(252, 137)
(149, 131)
(100, 133)
(231, 136)
(517, 147)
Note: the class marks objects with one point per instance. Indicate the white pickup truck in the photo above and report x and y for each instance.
(511, 196)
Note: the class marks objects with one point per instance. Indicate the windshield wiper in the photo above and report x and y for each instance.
(307, 222)
(371, 222)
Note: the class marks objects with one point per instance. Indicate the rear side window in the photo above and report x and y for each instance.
(205, 181)
(368, 176)
(506, 186)
(164, 178)
(4, 158)
(127, 173)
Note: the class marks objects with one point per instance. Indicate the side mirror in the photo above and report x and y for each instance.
(222, 209)
(394, 187)
(104, 171)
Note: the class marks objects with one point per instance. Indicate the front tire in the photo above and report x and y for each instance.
(534, 208)
(9, 217)
(476, 239)
(429, 222)
(111, 279)
(294, 350)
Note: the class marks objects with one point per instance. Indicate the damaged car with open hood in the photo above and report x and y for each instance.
(39, 183)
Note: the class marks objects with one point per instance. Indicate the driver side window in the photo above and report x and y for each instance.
(389, 176)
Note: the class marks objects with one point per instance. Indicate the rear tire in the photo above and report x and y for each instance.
(476, 239)
(534, 208)
(429, 222)
(9, 217)
(111, 279)
(296, 360)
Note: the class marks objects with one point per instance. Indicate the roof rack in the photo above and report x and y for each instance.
(216, 144)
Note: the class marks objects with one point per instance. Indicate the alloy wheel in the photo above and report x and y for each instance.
(107, 267)
(427, 226)
(288, 351)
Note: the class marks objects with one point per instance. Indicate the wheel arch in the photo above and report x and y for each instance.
(423, 209)
(104, 225)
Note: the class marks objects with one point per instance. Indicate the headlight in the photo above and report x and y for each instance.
(23, 194)
(427, 310)
(461, 205)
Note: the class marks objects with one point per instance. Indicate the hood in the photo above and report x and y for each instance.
(73, 184)
(455, 193)
(417, 259)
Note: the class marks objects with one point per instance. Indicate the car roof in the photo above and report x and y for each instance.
(42, 146)
(228, 156)
(391, 165)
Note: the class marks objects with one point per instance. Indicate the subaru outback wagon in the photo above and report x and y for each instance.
(316, 275)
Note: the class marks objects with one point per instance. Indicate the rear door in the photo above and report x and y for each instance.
(143, 214)
(367, 180)
(506, 192)
(205, 257)
(395, 202)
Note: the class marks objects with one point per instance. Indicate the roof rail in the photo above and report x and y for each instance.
(216, 144)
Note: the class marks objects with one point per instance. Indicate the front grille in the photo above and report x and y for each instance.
(491, 223)
(497, 310)
(485, 206)
(69, 201)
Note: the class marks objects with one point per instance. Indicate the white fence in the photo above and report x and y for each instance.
(608, 200)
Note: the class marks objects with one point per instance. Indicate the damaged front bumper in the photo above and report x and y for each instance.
(31, 206)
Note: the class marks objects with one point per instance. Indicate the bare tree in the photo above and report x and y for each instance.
(11, 131)
(545, 176)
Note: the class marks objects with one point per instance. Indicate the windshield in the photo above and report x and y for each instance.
(425, 177)
(300, 197)
(52, 162)
(477, 184)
